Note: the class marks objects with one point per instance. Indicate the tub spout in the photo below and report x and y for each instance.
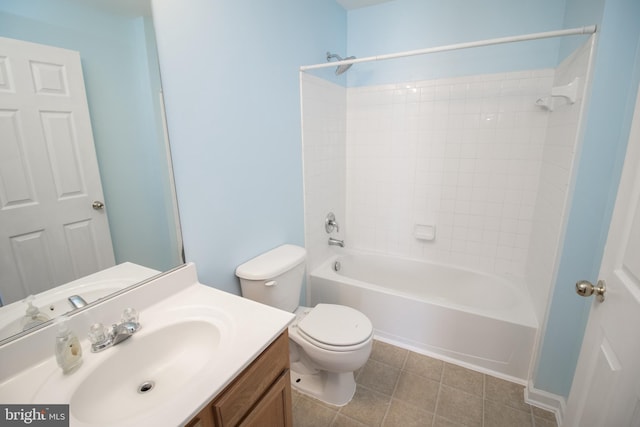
(336, 242)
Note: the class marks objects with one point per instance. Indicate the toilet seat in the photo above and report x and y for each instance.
(335, 327)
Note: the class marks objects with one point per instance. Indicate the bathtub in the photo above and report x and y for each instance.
(469, 318)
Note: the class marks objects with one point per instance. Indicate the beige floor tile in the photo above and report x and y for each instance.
(389, 354)
(417, 391)
(405, 415)
(463, 379)
(424, 365)
(400, 388)
(541, 413)
(310, 413)
(379, 377)
(499, 415)
(505, 392)
(459, 406)
(443, 422)
(314, 400)
(367, 406)
(356, 373)
(543, 422)
(295, 396)
(344, 421)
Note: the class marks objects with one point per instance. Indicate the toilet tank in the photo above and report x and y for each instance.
(275, 277)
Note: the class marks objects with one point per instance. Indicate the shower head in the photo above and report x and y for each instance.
(341, 68)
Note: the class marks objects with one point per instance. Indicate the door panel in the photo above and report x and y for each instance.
(16, 186)
(49, 176)
(606, 386)
(62, 147)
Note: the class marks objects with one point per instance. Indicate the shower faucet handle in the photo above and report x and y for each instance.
(330, 223)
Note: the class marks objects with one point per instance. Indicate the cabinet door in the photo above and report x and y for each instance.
(274, 409)
(203, 419)
(254, 383)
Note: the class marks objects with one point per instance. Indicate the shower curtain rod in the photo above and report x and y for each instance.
(535, 36)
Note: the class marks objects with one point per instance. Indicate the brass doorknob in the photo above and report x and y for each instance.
(584, 288)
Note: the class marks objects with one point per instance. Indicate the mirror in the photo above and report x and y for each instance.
(116, 43)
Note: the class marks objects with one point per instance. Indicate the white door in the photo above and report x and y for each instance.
(606, 387)
(49, 231)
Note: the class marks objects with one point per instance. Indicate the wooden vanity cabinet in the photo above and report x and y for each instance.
(203, 419)
(259, 396)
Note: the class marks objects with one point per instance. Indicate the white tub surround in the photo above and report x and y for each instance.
(472, 158)
(29, 373)
(324, 127)
(469, 318)
(562, 142)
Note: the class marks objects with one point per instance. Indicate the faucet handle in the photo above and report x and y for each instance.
(129, 315)
(330, 223)
(97, 333)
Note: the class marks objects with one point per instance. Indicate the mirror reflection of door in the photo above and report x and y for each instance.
(50, 232)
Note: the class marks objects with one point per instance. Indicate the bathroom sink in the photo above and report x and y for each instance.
(145, 372)
(193, 341)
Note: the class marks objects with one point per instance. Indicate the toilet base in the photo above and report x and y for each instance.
(330, 387)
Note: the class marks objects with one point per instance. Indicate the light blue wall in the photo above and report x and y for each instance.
(403, 25)
(579, 13)
(230, 71)
(122, 83)
(230, 75)
(608, 121)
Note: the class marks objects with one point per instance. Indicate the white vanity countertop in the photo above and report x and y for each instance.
(245, 329)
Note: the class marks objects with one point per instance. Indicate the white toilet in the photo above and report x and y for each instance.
(327, 343)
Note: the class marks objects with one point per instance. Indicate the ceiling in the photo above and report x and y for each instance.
(356, 4)
(131, 8)
(143, 7)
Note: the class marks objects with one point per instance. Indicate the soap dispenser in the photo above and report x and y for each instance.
(33, 316)
(68, 349)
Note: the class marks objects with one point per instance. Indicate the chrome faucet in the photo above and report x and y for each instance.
(336, 242)
(102, 338)
(330, 223)
(76, 301)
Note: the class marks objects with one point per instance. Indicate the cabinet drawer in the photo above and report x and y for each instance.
(237, 400)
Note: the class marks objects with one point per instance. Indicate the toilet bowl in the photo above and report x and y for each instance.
(327, 342)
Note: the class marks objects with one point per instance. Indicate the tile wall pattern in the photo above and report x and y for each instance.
(463, 154)
(324, 116)
(474, 156)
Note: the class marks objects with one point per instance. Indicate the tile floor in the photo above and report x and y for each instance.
(400, 388)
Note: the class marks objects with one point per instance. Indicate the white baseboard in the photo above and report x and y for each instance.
(547, 401)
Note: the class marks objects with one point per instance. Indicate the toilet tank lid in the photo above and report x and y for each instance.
(272, 263)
